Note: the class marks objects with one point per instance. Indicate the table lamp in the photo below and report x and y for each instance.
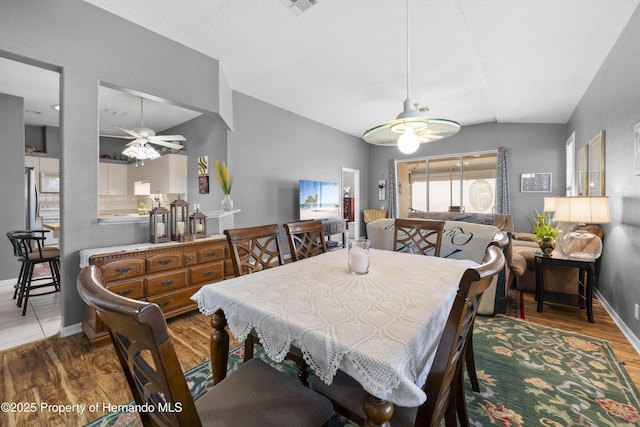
(582, 210)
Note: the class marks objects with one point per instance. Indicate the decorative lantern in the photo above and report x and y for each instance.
(198, 223)
(159, 224)
(179, 218)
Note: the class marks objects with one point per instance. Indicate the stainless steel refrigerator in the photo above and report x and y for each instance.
(30, 199)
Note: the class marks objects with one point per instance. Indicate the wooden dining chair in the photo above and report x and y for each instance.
(254, 395)
(444, 386)
(306, 239)
(418, 236)
(254, 248)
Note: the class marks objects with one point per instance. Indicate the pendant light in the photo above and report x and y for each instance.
(410, 128)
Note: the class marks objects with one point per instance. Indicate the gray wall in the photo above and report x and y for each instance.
(531, 148)
(69, 35)
(271, 149)
(11, 175)
(612, 104)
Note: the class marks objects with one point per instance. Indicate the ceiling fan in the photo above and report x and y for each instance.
(143, 135)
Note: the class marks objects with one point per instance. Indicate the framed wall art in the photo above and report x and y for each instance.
(535, 182)
(203, 165)
(596, 165)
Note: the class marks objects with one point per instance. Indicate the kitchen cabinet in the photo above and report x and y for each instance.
(166, 273)
(166, 175)
(42, 164)
(112, 179)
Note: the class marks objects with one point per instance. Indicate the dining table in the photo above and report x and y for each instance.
(382, 328)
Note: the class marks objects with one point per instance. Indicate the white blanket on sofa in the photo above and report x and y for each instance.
(460, 240)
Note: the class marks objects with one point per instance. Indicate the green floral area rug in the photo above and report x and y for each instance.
(529, 376)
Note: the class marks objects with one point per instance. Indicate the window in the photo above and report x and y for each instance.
(462, 181)
(570, 165)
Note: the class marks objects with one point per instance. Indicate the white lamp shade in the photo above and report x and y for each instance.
(587, 210)
(549, 204)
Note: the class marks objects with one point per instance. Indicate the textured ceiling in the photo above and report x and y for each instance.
(343, 62)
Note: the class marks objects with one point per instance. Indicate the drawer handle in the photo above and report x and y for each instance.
(165, 303)
(212, 253)
(167, 282)
(125, 292)
(165, 261)
(207, 273)
(122, 270)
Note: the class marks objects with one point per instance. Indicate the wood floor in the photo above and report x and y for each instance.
(62, 371)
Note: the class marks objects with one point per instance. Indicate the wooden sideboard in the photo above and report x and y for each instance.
(167, 274)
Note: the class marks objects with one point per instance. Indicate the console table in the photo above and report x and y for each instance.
(586, 277)
(335, 226)
(164, 273)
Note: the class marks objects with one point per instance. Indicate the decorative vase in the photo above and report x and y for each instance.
(227, 203)
(547, 245)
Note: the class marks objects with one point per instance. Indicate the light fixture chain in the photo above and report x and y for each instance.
(408, 55)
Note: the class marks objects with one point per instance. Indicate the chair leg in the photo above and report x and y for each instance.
(18, 284)
(461, 401)
(471, 363)
(24, 295)
(248, 348)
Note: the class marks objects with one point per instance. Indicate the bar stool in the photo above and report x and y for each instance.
(30, 249)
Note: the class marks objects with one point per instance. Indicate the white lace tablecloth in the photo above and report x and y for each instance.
(381, 328)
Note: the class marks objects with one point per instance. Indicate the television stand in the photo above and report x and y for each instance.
(332, 227)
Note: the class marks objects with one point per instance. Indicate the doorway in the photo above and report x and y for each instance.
(351, 201)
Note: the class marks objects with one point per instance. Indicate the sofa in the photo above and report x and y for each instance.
(465, 236)
(560, 282)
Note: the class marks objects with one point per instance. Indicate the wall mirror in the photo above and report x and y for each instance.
(596, 165)
(581, 171)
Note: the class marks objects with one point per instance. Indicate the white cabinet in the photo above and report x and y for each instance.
(42, 164)
(112, 179)
(166, 175)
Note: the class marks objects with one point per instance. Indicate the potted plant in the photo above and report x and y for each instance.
(226, 182)
(546, 235)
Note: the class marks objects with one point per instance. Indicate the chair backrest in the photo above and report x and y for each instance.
(29, 245)
(370, 215)
(448, 361)
(145, 350)
(254, 248)
(418, 236)
(306, 239)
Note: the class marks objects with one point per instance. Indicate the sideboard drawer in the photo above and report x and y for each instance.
(190, 258)
(162, 262)
(211, 272)
(130, 289)
(122, 269)
(167, 282)
(211, 253)
(174, 300)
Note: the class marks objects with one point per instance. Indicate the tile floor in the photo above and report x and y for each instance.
(42, 319)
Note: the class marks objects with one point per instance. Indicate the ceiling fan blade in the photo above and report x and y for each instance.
(117, 136)
(127, 131)
(166, 144)
(168, 138)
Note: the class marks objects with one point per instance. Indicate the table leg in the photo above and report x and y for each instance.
(539, 284)
(591, 273)
(378, 411)
(219, 346)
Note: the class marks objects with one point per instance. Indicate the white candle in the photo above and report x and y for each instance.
(198, 228)
(160, 229)
(358, 260)
(180, 227)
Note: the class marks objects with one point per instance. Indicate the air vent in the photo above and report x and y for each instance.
(299, 6)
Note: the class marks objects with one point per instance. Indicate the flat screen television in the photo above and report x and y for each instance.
(319, 200)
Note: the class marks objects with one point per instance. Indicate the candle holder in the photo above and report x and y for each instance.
(179, 218)
(358, 258)
(198, 223)
(159, 224)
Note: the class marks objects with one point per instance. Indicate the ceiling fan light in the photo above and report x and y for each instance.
(408, 142)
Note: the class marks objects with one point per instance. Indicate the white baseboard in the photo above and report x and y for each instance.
(66, 331)
(635, 342)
